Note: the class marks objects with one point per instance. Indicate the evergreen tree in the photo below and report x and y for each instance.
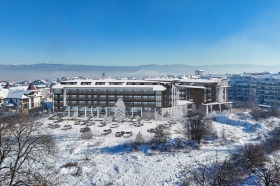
(120, 110)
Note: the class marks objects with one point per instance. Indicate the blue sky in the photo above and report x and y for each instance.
(138, 32)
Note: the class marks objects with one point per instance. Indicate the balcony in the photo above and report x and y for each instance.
(58, 104)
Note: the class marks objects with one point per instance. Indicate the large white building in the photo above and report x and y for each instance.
(154, 99)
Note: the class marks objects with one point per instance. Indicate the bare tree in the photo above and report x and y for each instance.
(212, 173)
(250, 157)
(22, 145)
(270, 175)
(197, 127)
(273, 142)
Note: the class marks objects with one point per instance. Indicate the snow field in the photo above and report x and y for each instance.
(108, 159)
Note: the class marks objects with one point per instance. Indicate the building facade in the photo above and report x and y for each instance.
(262, 88)
(20, 99)
(153, 99)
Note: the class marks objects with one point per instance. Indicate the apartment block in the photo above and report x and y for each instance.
(263, 88)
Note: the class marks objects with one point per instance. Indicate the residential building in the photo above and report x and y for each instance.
(20, 99)
(262, 88)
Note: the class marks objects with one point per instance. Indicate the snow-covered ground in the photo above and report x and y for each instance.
(109, 160)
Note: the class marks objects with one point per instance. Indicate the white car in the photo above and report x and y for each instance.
(127, 134)
(82, 122)
(89, 123)
(66, 127)
(114, 125)
(101, 125)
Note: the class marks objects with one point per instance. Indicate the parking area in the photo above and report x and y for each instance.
(100, 128)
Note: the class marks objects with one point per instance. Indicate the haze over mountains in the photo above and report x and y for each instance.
(43, 70)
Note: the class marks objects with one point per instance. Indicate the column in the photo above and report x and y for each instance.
(132, 111)
(68, 111)
(220, 109)
(77, 112)
(85, 112)
(141, 111)
(106, 111)
(91, 112)
(97, 109)
(225, 94)
(206, 110)
(211, 109)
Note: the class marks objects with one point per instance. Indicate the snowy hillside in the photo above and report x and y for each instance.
(110, 160)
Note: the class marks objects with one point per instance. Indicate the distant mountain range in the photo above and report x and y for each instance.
(42, 70)
(169, 69)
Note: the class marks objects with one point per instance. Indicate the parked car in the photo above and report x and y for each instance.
(77, 122)
(114, 125)
(53, 126)
(127, 134)
(66, 127)
(119, 134)
(101, 124)
(85, 129)
(49, 125)
(164, 126)
(106, 131)
(104, 122)
(89, 123)
(151, 130)
(58, 120)
(82, 122)
(139, 124)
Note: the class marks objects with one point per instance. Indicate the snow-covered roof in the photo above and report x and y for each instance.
(18, 94)
(183, 102)
(277, 76)
(110, 84)
(189, 80)
(191, 86)
(153, 87)
(217, 103)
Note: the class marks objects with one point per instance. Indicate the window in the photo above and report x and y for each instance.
(57, 91)
(158, 98)
(85, 83)
(158, 104)
(100, 83)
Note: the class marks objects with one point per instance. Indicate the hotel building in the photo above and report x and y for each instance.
(150, 99)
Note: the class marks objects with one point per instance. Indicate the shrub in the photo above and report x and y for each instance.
(87, 135)
(139, 139)
(273, 142)
(250, 157)
(160, 136)
(70, 164)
